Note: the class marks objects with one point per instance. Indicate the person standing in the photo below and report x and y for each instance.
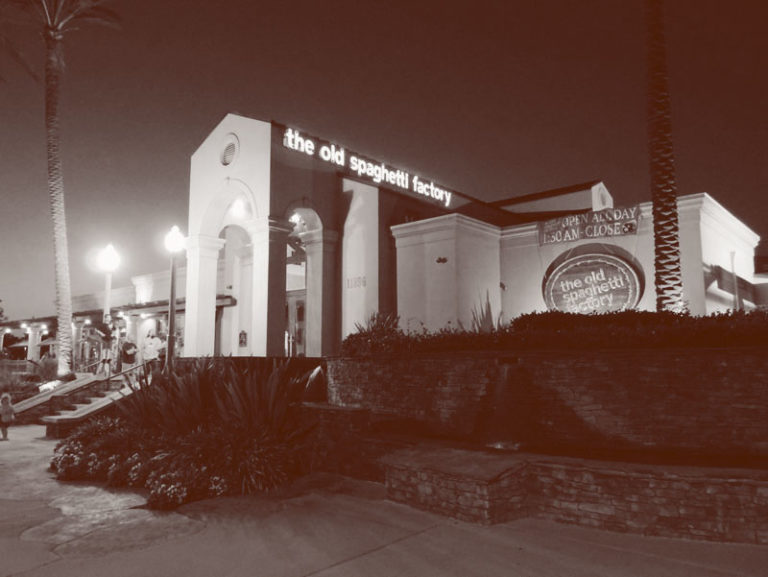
(151, 353)
(128, 360)
(7, 414)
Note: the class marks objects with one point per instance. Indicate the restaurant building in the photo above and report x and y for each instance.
(293, 241)
(314, 237)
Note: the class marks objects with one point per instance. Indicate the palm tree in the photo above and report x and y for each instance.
(57, 18)
(668, 277)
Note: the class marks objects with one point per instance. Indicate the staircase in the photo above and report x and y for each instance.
(66, 420)
(70, 404)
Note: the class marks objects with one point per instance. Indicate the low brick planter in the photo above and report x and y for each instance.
(689, 502)
(480, 487)
(467, 485)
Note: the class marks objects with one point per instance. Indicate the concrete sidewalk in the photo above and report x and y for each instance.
(325, 526)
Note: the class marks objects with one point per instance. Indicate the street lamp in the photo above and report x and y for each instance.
(174, 243)
(108, 261)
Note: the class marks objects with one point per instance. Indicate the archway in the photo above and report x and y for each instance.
(234, 331)
(310, 311)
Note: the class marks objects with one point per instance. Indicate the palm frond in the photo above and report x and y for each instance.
(8, 48)
(90, 12)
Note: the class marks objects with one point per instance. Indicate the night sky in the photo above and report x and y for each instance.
(494, 99)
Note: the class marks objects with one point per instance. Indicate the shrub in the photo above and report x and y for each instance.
(213, 429)
(558, 330)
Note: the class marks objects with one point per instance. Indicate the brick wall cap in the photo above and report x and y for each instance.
(666, 472)
(477, 465)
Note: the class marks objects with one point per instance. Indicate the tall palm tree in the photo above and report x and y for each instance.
(56, 18)
(668, 276)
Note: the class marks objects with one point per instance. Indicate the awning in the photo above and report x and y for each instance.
(161, 306)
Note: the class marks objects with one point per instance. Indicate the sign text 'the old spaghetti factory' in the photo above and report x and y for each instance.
(365, 169)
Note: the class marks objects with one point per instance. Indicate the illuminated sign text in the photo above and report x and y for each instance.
(597, 224)
(592, 283)
(363, 168)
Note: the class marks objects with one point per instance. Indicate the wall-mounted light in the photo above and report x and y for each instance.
(441, 260)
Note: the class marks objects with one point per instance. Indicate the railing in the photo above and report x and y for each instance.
(89, 368)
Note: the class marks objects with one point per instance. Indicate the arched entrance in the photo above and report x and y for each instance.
(235, 271)
(241, 243)
(295, 293)
(311, 319)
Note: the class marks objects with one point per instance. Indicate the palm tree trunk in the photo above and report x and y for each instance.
(668, 277)
(53, 68)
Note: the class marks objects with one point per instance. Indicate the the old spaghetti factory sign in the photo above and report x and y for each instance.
(597, 224)
(364, 168)
(592, 283)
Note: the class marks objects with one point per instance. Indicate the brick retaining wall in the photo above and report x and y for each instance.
(715, 505)
(694, 503)
(436, 390)
(699, 405)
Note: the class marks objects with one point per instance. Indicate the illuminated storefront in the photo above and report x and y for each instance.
(314, 237)
(293, 241)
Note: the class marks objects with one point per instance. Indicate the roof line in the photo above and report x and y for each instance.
(546, 193)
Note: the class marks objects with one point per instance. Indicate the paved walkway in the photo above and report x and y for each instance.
(327, 527)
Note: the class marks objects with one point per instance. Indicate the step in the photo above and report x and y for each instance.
(59, 426)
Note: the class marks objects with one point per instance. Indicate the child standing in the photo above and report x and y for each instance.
(7, 414)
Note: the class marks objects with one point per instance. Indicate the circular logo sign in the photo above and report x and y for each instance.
(592, 283)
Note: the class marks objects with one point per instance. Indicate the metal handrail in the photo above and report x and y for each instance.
(85, 368)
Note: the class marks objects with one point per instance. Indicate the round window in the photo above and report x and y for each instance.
(228, 154)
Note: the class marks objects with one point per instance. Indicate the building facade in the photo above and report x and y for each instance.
(313, 238)
(294, 241)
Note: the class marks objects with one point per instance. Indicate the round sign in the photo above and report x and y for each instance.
(592, 283)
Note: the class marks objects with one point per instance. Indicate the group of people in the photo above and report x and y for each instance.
(152, 352)
(151, 357)
(126, 356)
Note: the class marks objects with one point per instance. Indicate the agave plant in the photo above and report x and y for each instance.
(213, 428)
(483, 320)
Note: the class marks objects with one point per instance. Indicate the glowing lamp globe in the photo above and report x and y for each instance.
(108, 259)
(174, 240)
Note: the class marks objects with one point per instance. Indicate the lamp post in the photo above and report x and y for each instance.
(109, 260)
(174, 243)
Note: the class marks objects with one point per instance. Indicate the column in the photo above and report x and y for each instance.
(322, 292)
(200, 310)
(33, 340)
